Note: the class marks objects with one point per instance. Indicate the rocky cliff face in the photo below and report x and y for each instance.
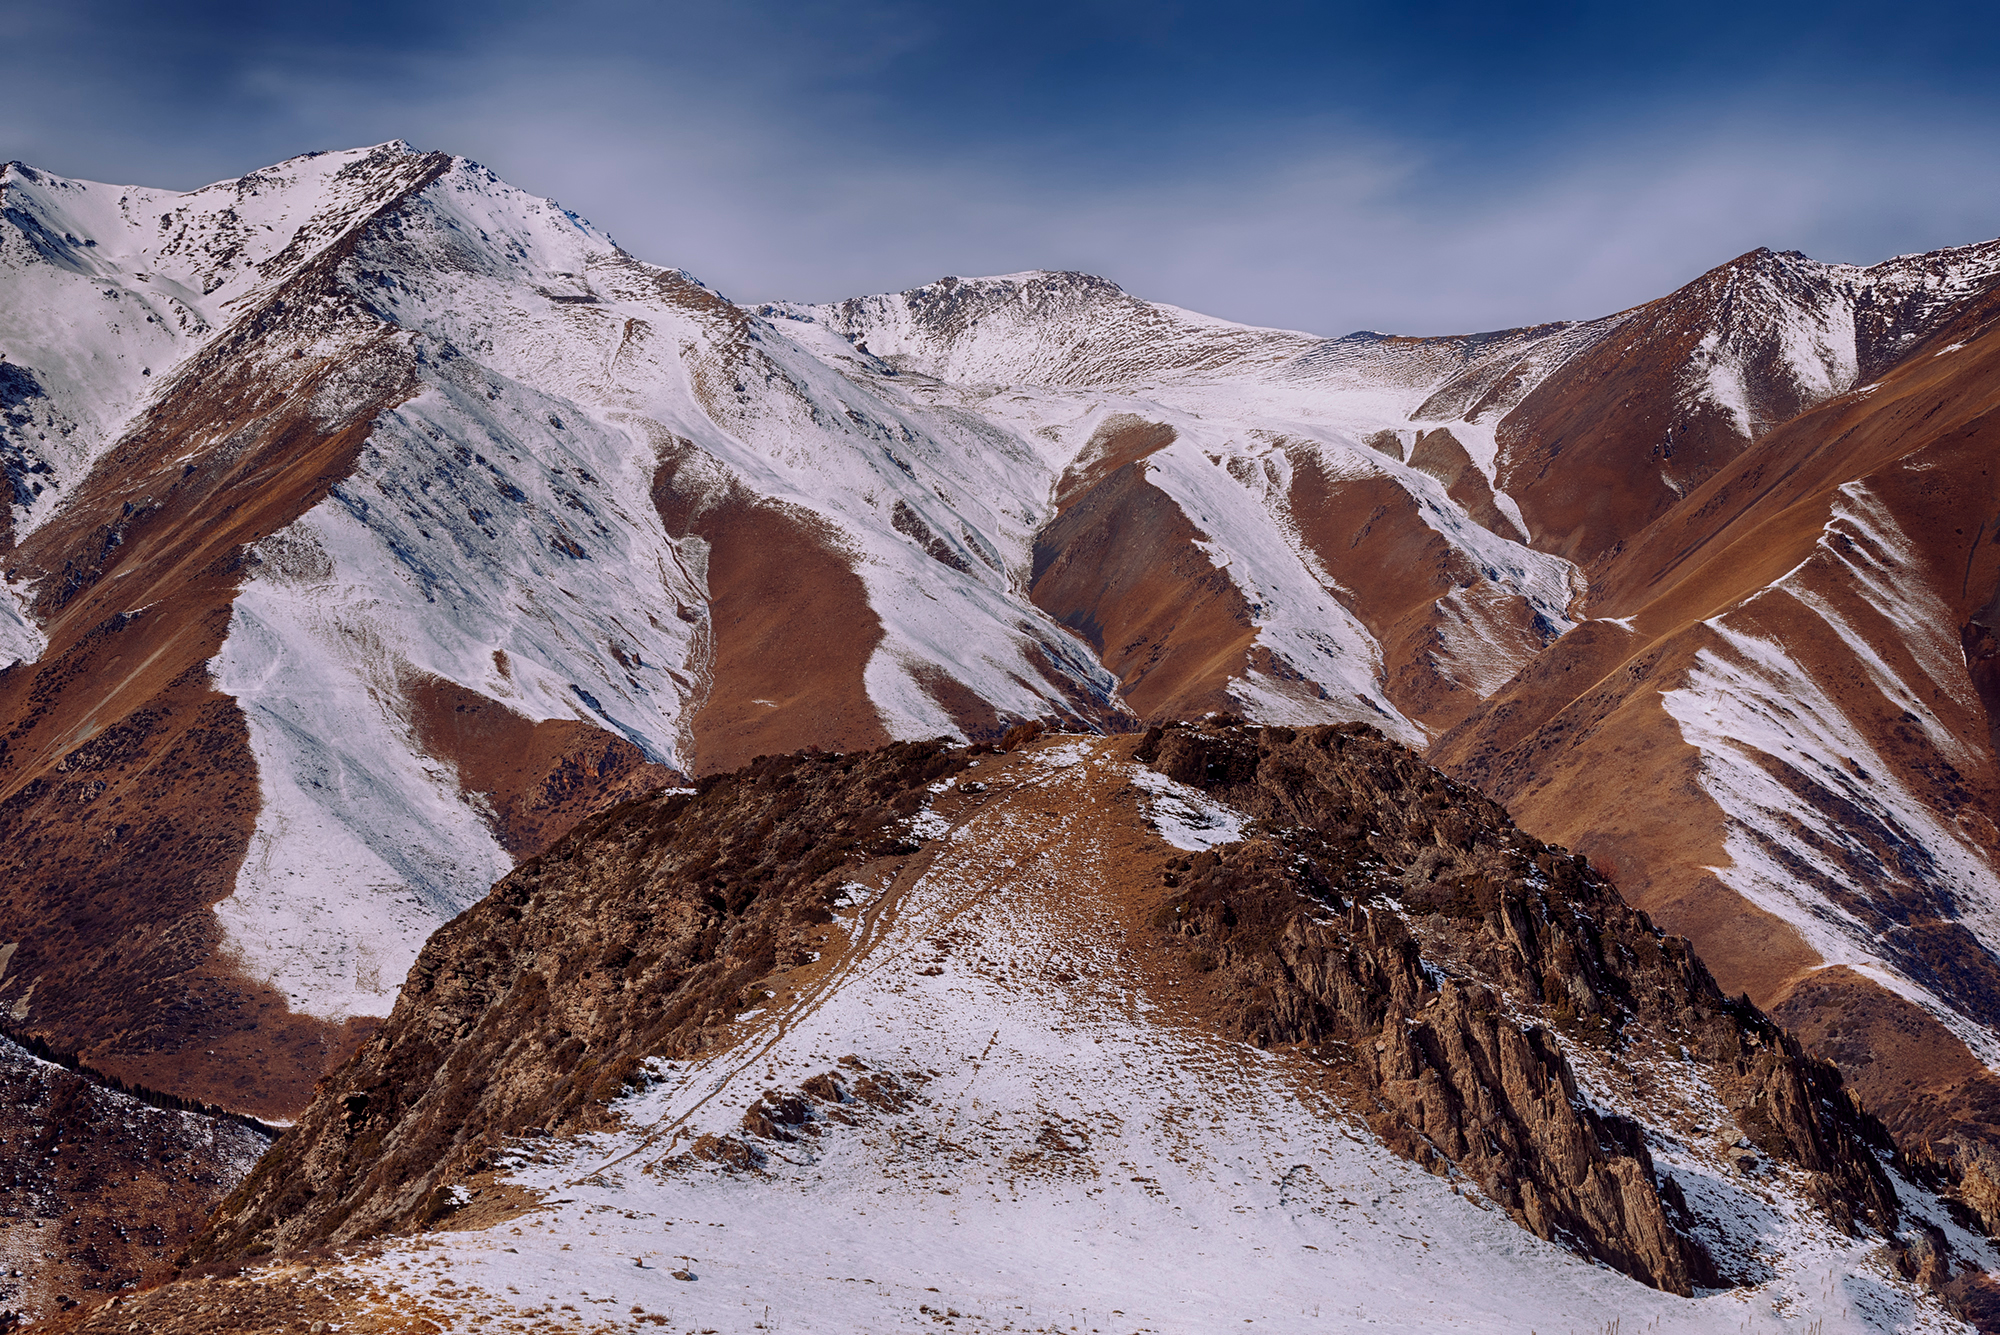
(1457, 964)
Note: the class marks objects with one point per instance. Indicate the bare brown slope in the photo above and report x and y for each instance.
(536, 779)
(1921, 446)
(1439, 453)
(1762, 509)
(1119, 566)
(1582, 748)
(103, 1191)
(791, 628)
(1371, 537)
(1617, 435)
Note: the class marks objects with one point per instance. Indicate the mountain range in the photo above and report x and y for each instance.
(373, 523)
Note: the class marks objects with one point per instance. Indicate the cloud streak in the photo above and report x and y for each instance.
(816, 152)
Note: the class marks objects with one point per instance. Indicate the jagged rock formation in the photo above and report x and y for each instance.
(641, 934)
(1405, 920)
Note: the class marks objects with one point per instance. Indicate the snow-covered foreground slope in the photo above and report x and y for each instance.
(978, 1107)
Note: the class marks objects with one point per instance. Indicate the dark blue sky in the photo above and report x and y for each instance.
(1420, 168)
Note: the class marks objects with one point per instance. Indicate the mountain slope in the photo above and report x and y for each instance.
(1783, 742)
(103, 1190)
(914, 1068)
(445, 520)
(392, 520)
(1620, 433)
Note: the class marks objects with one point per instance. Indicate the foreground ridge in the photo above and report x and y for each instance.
(1185, 1000)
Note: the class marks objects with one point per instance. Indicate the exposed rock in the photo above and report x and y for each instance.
(1387, 912)
(643, 933)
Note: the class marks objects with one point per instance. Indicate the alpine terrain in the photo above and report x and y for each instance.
(1001, 805)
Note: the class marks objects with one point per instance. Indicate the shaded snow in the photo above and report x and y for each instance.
(1808, 802)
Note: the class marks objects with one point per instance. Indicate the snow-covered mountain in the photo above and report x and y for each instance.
(1778, 730)
(441, 518)
(373, 521)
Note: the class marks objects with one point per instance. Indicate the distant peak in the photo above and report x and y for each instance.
(1041, 278)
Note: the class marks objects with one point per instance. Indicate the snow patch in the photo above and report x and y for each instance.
(1186, 817)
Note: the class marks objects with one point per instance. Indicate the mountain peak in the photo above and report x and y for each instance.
(1030, 278)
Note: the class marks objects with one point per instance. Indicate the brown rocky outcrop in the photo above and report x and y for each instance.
(100, 1187)
(1388, 915)
(640, 934)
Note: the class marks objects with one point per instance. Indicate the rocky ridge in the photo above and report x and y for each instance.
(1462, 965)
(1477, 995)
(641, 934)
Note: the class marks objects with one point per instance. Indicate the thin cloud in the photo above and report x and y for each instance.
(819, 151)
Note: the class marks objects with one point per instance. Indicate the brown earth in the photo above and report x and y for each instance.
(1439, 453)
(1612, 439)
(791, 630)
(538, 779)
(1119, 440)
(101, 1191)
(1371, 537)
(1119, 566)
(296, 1299)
